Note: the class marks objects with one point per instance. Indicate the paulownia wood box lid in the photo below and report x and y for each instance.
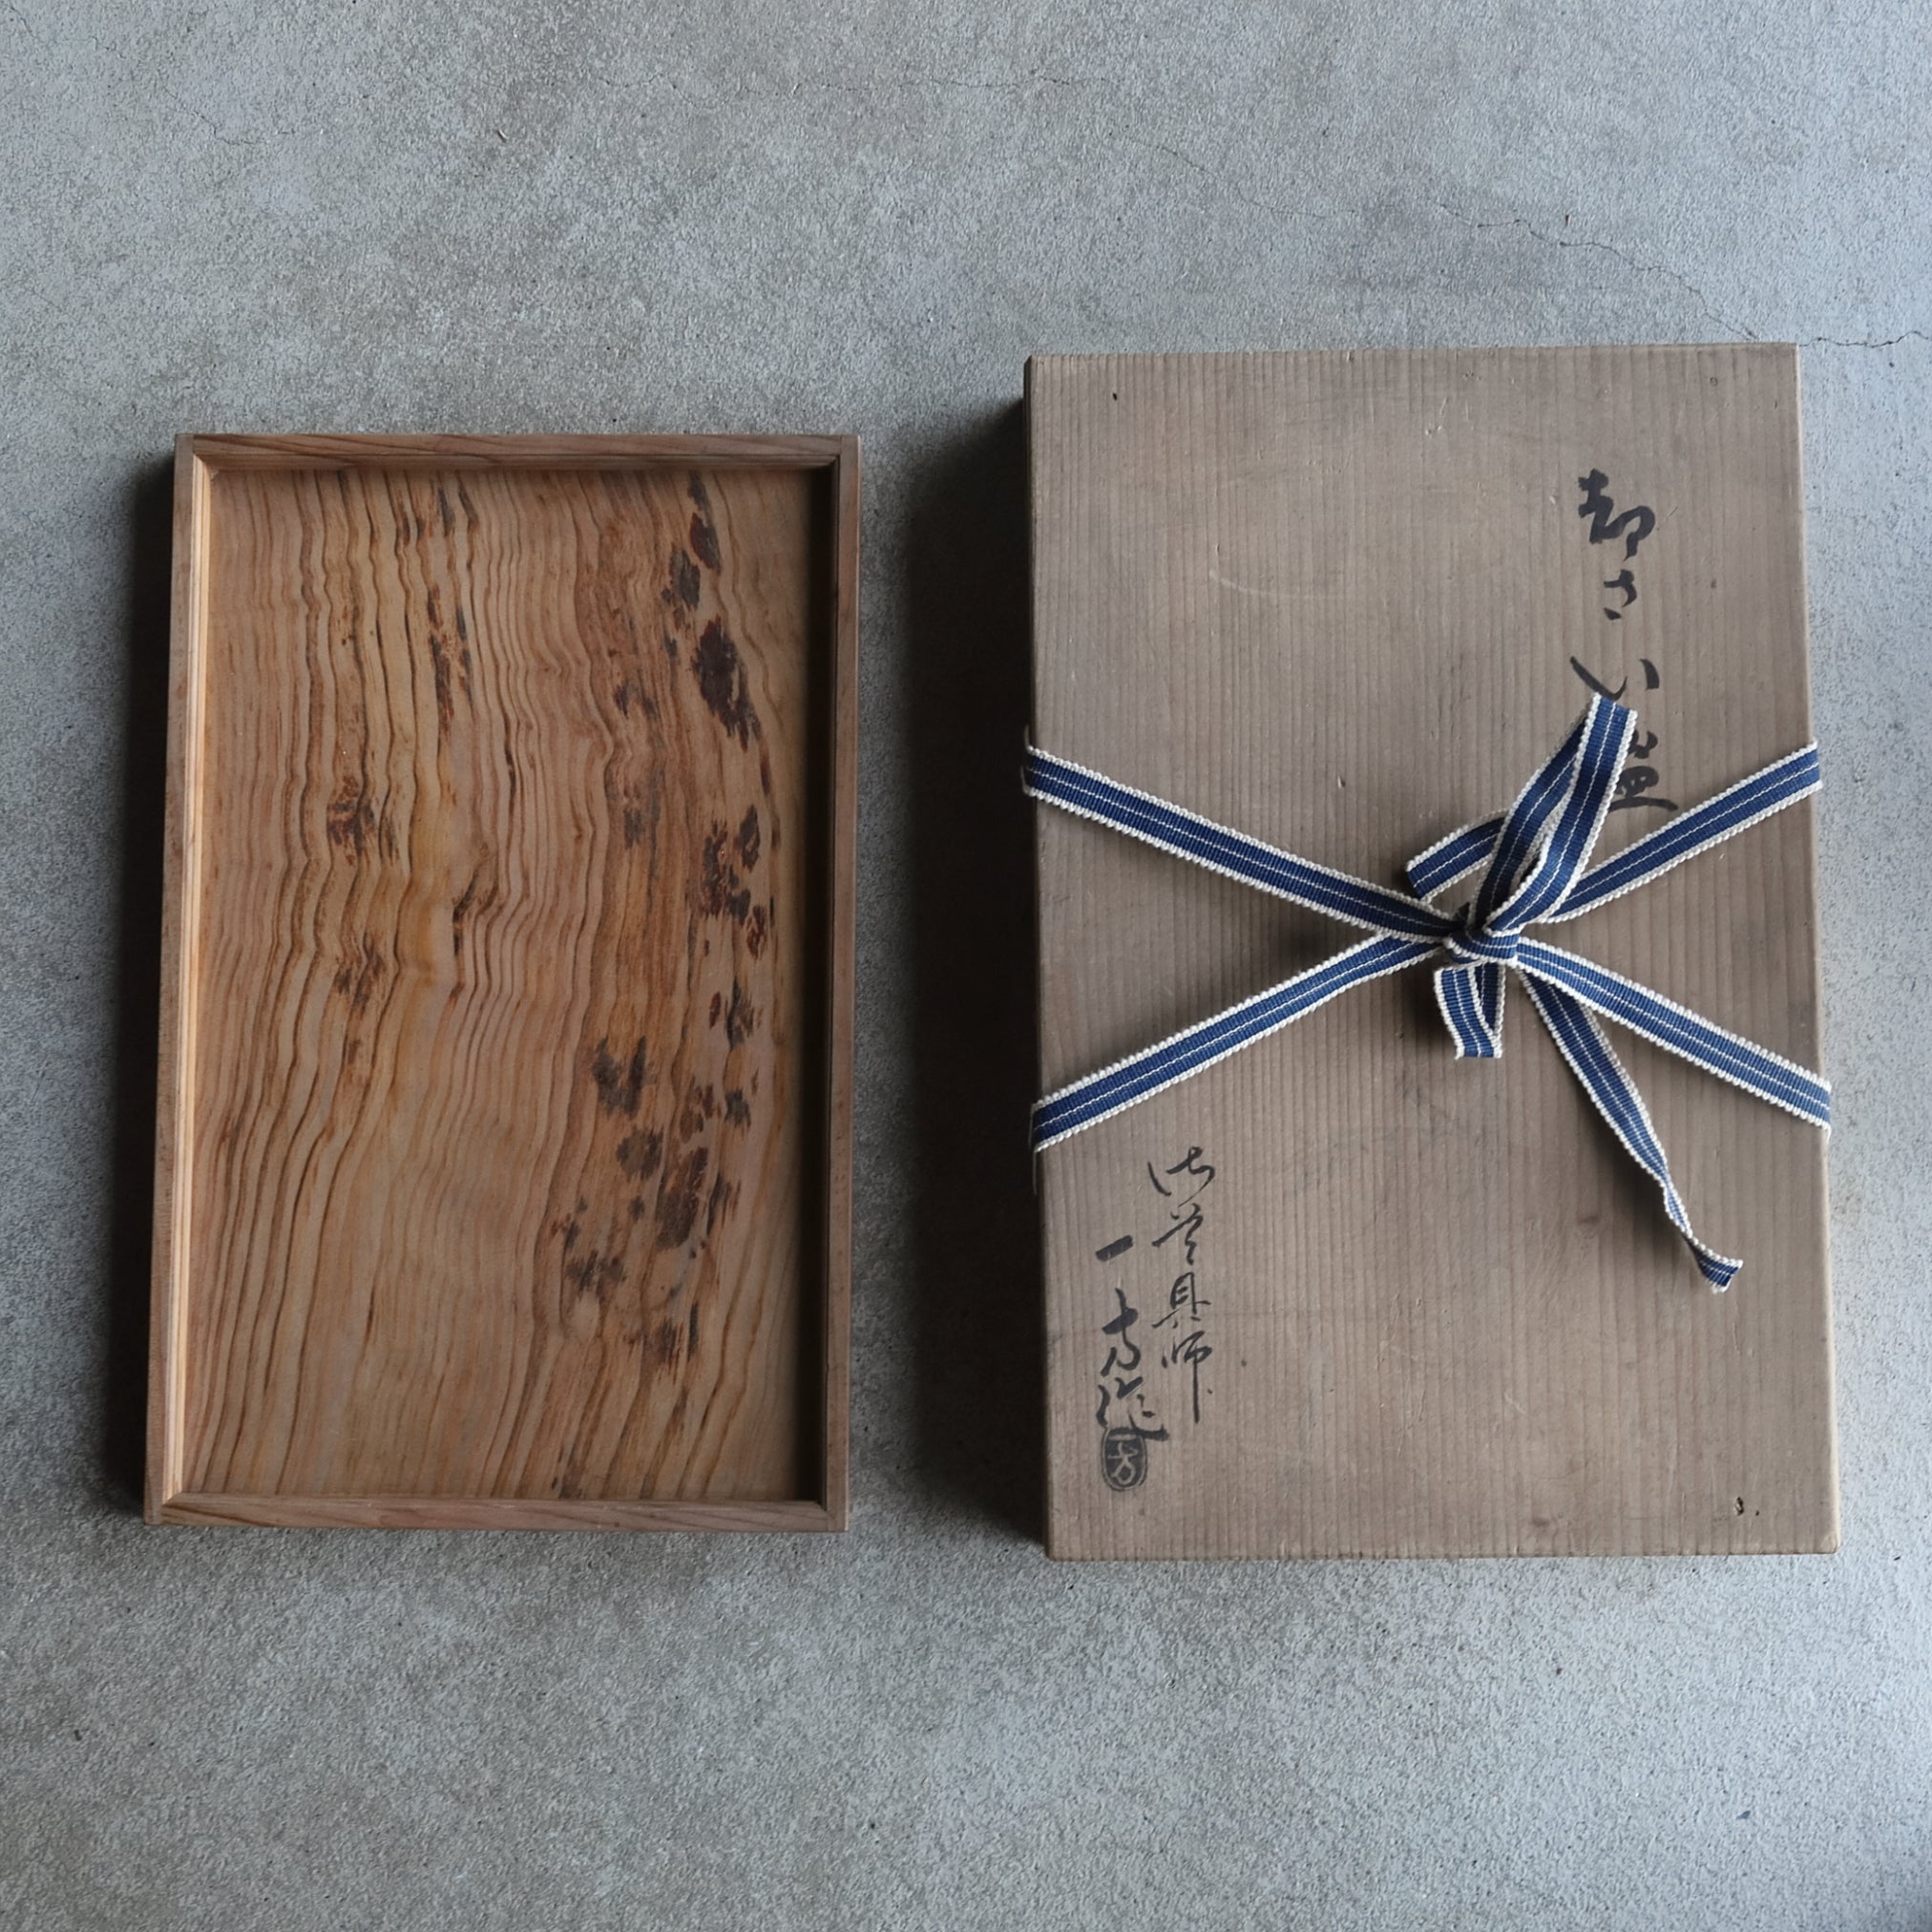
(1387, 1302)
(504, 1112)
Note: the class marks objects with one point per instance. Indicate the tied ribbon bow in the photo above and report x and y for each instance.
(1535, 872)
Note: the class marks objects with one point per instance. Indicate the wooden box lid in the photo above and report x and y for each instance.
(1347, 602)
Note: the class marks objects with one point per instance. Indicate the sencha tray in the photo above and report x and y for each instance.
(505, 1098)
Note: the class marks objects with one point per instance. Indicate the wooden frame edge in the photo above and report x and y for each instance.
(174, 1057)
(835, 1388)
(304, 452)
(1035, 370)
(1831, 1531)
(508, 1512)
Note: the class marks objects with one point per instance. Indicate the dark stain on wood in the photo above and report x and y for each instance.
(755, 933)
(619, 1084)
(664, 1339)
(351, 822)
(637, 824)
(439, 670)
(685, 583)
(720, 890)
(722, 1194)
(640, 1154)
(741, 1018)
(678, 1198)
(626, 694)
(720, 679)
(459, 913)
(595, 1273)
(736, 1108)
(699, 495)
(749, 839)
(704, 543)
(700, 1104)
(360, 974)
(714, 880)
(717, 1007)
(692, 1332)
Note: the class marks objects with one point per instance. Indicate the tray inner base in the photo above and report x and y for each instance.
(504, 1071)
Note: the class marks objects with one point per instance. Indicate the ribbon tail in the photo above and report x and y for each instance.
(1581, 1041)
(1764, 1075)
(1470, 999)
(1115, 1088)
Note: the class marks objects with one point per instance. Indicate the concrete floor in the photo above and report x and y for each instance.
(536, 215)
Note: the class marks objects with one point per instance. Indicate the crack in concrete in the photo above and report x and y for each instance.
(134, 75)
(1669, 274)
(1215, 180)
(1615, 253)
(1874, 341)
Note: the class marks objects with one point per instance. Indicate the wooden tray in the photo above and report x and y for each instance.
(504, 1140)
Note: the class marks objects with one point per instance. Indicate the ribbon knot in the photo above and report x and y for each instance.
(1536, 870)
(1479, 946)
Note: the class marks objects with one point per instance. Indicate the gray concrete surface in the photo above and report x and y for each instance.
(590, 217)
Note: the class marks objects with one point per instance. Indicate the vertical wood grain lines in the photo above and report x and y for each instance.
(501, 1003)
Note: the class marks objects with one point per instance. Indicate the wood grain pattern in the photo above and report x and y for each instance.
(1332, 599)
(505, 1089)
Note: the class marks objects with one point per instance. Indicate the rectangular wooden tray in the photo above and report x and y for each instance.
(504, 1124)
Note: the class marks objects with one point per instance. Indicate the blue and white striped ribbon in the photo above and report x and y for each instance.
(1536, 869)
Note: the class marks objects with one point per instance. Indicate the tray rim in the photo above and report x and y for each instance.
(197, 456)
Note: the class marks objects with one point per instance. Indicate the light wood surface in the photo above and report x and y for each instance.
(505, 1088)
(1333, 601)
